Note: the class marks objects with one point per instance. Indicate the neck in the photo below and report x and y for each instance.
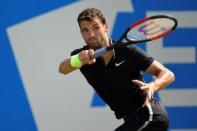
(108, 55)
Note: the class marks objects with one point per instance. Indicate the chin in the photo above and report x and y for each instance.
(95, 48)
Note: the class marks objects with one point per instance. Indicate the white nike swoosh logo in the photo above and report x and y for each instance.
(118, 64)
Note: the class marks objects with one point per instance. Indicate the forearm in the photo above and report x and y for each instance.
(65, 66)
(162, 80)
(163, 76)
(77, 61)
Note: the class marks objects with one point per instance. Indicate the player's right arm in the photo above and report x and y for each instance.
(84, 57)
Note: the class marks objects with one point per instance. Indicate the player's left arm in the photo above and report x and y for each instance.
(163, 77)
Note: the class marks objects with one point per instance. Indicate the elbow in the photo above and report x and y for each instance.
(171, 77)
(65, 68)
(61, 69)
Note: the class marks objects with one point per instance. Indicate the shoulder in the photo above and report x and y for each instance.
(127, 50)
(136, 55)
(136, 50)
(76, 51)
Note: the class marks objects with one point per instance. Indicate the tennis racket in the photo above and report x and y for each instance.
(144, 30)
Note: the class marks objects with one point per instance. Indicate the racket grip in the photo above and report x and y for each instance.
(100, 52)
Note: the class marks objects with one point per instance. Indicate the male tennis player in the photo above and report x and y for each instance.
(117, 77)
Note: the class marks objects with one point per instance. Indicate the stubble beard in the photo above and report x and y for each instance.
(95, 45)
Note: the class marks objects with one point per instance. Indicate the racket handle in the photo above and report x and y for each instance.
(100, 52)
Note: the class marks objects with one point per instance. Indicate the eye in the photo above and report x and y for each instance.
(96, 27)
(84, 30)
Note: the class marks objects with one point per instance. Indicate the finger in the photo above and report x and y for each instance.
(150, 95)
(84, 56)
(91, 55)
(146, 102)
(144, 87)
(81, 56)
(91, 51)
(137, 82)
(86, 53)
(92, 61)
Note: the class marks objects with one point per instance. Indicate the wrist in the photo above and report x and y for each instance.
(75, 61)
(153, 86)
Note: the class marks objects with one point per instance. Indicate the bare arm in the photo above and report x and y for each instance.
(163, 77)
(84, 56)
(65, 66)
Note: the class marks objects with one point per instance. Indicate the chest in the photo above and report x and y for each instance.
(117, 72)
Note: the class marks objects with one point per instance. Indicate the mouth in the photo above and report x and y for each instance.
(92, 40)
(95, 45)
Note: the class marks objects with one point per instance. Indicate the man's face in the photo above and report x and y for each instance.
(94, 33)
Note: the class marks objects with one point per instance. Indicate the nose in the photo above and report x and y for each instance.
(91, 33)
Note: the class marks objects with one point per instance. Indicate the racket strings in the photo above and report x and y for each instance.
(134, 34)
(150, 29)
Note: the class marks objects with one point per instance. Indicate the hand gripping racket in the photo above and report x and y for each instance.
(147, 29)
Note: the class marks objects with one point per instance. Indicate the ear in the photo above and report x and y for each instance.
(106, 27)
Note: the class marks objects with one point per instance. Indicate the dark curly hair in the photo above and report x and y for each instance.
(89, 13)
